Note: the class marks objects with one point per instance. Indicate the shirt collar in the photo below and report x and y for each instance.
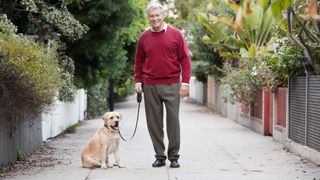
(164, 28)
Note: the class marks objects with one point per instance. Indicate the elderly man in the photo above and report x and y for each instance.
(163, 66)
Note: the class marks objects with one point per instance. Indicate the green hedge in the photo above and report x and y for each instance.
(97, 100)
(30, 75)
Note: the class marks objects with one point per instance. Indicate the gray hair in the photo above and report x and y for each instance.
(154, 5)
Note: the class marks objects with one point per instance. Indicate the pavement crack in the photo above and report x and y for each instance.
(232, 157)
(168, 174)
(87, 177)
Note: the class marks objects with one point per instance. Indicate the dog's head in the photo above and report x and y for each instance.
(111, 120)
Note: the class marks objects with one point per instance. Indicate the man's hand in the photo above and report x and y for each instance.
(184, 90)
(138, 87)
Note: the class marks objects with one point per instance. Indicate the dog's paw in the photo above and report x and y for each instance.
(109, 165)
(104, 166)
(121, 166)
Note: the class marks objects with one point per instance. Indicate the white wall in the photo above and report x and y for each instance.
(64, 115)
(215, 97)
(196, 90)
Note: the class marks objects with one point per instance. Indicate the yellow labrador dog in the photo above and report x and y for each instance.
(103, 143)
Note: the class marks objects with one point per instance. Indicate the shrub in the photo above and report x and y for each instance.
(247, 80)
(68, 89)
(286, 60)
(30, 75)
(122, 90)
(97, 100)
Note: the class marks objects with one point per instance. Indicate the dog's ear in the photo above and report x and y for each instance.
(105, 116)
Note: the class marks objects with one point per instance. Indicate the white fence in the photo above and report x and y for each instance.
(64, 115)
(196, 90)
(213, 96)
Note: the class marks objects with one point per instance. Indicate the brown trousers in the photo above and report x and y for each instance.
(155, 96)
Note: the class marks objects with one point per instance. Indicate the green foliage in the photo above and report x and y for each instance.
(68, 89)
(101, 54)
(124, 89)
(316, 54)
(277, 7)
(252, 44)
(247, 80)
(44, 18)
(51, 23)
(201, 69)
(65, 23)
(249, 41)
(218, 22)
(29, 77)
(286, 61)
(205, 60)
(301, 25)
(107, 52)
(97, 100)
(98, 96)
(21, 156)
(71, 129)
(6, 26)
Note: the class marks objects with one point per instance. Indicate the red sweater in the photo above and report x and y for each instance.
(161, 57)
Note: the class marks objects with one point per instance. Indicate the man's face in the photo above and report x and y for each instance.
(156, 17)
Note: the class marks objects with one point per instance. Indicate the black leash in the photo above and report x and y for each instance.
(139, 99)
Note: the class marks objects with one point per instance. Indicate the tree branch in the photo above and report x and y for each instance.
(316, 25)
(309, 63)
(303, 27)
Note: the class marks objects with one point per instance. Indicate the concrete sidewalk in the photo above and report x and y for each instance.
(213, 147)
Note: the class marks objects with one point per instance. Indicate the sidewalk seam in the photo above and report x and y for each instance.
(87, 178)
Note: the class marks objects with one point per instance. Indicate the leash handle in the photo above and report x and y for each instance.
(139, 99)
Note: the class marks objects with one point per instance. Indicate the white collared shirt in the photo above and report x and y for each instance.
(165, 27)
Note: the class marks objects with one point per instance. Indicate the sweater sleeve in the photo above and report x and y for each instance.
(184, 60)
(139, 59)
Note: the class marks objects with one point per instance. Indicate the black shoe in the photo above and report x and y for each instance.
(159, 163)
(174, 164)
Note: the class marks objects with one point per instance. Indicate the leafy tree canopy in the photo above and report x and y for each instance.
(101, 53)
(44, 18)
